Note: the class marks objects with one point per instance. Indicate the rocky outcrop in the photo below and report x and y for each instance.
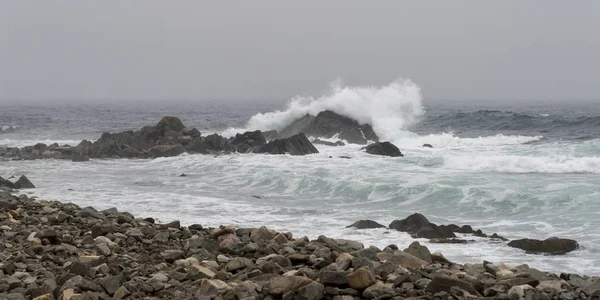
(246, 142)
(327, 124)
(365, 224)
(418, 226)
(384, 148)
(169, 137)
(555, 246)
(294, 145)
(54, 250)
(21, 183)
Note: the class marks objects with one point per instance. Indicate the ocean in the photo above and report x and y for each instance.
(519, 169)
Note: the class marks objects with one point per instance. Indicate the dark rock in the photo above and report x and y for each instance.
(247, 141)
(195, 227)
(442, 283)
(419, 227)
(168, 122)
(554, 246)
(6, 183)
(90, 212)
(294, 145)
(427, 146)
(4, 205)
(334, 278)
(270, 135)
(191, 131)
(327, 124)
(166, 150)
(79, 158)
(365, 224)
(111, 283)
(384, 148)
(79, 268)
(24, 183)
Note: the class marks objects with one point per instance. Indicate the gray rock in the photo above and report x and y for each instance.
(111, 283)
(555, 246)
(365, 224)
(384, 149)
(419, 251)
(283, 284)
(334, 278)
(293, 145)
(24, 183)
(444, 283)
(379, 290)
(311, 291)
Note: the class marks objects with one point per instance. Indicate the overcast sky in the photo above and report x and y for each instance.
(468, 50)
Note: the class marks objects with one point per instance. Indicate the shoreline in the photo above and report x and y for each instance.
(113, 254)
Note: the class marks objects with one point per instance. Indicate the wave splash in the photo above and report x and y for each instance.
(389, 108)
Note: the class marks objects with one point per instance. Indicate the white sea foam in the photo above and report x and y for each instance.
(30, 142)
(389, 108)
(524, 164)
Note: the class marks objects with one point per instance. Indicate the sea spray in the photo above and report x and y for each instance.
(388, 108)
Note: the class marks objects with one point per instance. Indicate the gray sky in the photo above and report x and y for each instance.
(469, 50)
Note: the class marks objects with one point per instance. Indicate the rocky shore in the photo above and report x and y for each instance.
(54, 250)
(170, 137)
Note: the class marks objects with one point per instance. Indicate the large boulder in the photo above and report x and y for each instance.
(245, 142)
(170, 123)
(418, 226)
(327, 124)
(384, 148)
(555, 246)
(24, 183)
(7, 183)
(294, 145)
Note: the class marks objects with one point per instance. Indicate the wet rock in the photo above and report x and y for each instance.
(365, 224)
(293, 145)
(24, 183)
(384, 148)
(166, 150)
(326, 124)
(555, 246)
(419, 227)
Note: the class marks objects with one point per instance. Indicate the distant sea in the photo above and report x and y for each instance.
(528, 169)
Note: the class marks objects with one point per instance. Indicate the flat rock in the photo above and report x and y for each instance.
(365, 224)
(554, 246)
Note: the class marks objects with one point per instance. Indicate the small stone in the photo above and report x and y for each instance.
(160, 277)
(311, 291)
(212, 287)
(238, 263)
(222, 258)
(282, 284)
(361, 279)
(48, 296)
(121, 293)
(103, 249)
(88, 258)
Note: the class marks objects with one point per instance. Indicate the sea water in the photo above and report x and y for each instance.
(522, 170)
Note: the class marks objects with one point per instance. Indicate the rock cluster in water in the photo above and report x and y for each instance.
(170, 137)
(54, 250)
